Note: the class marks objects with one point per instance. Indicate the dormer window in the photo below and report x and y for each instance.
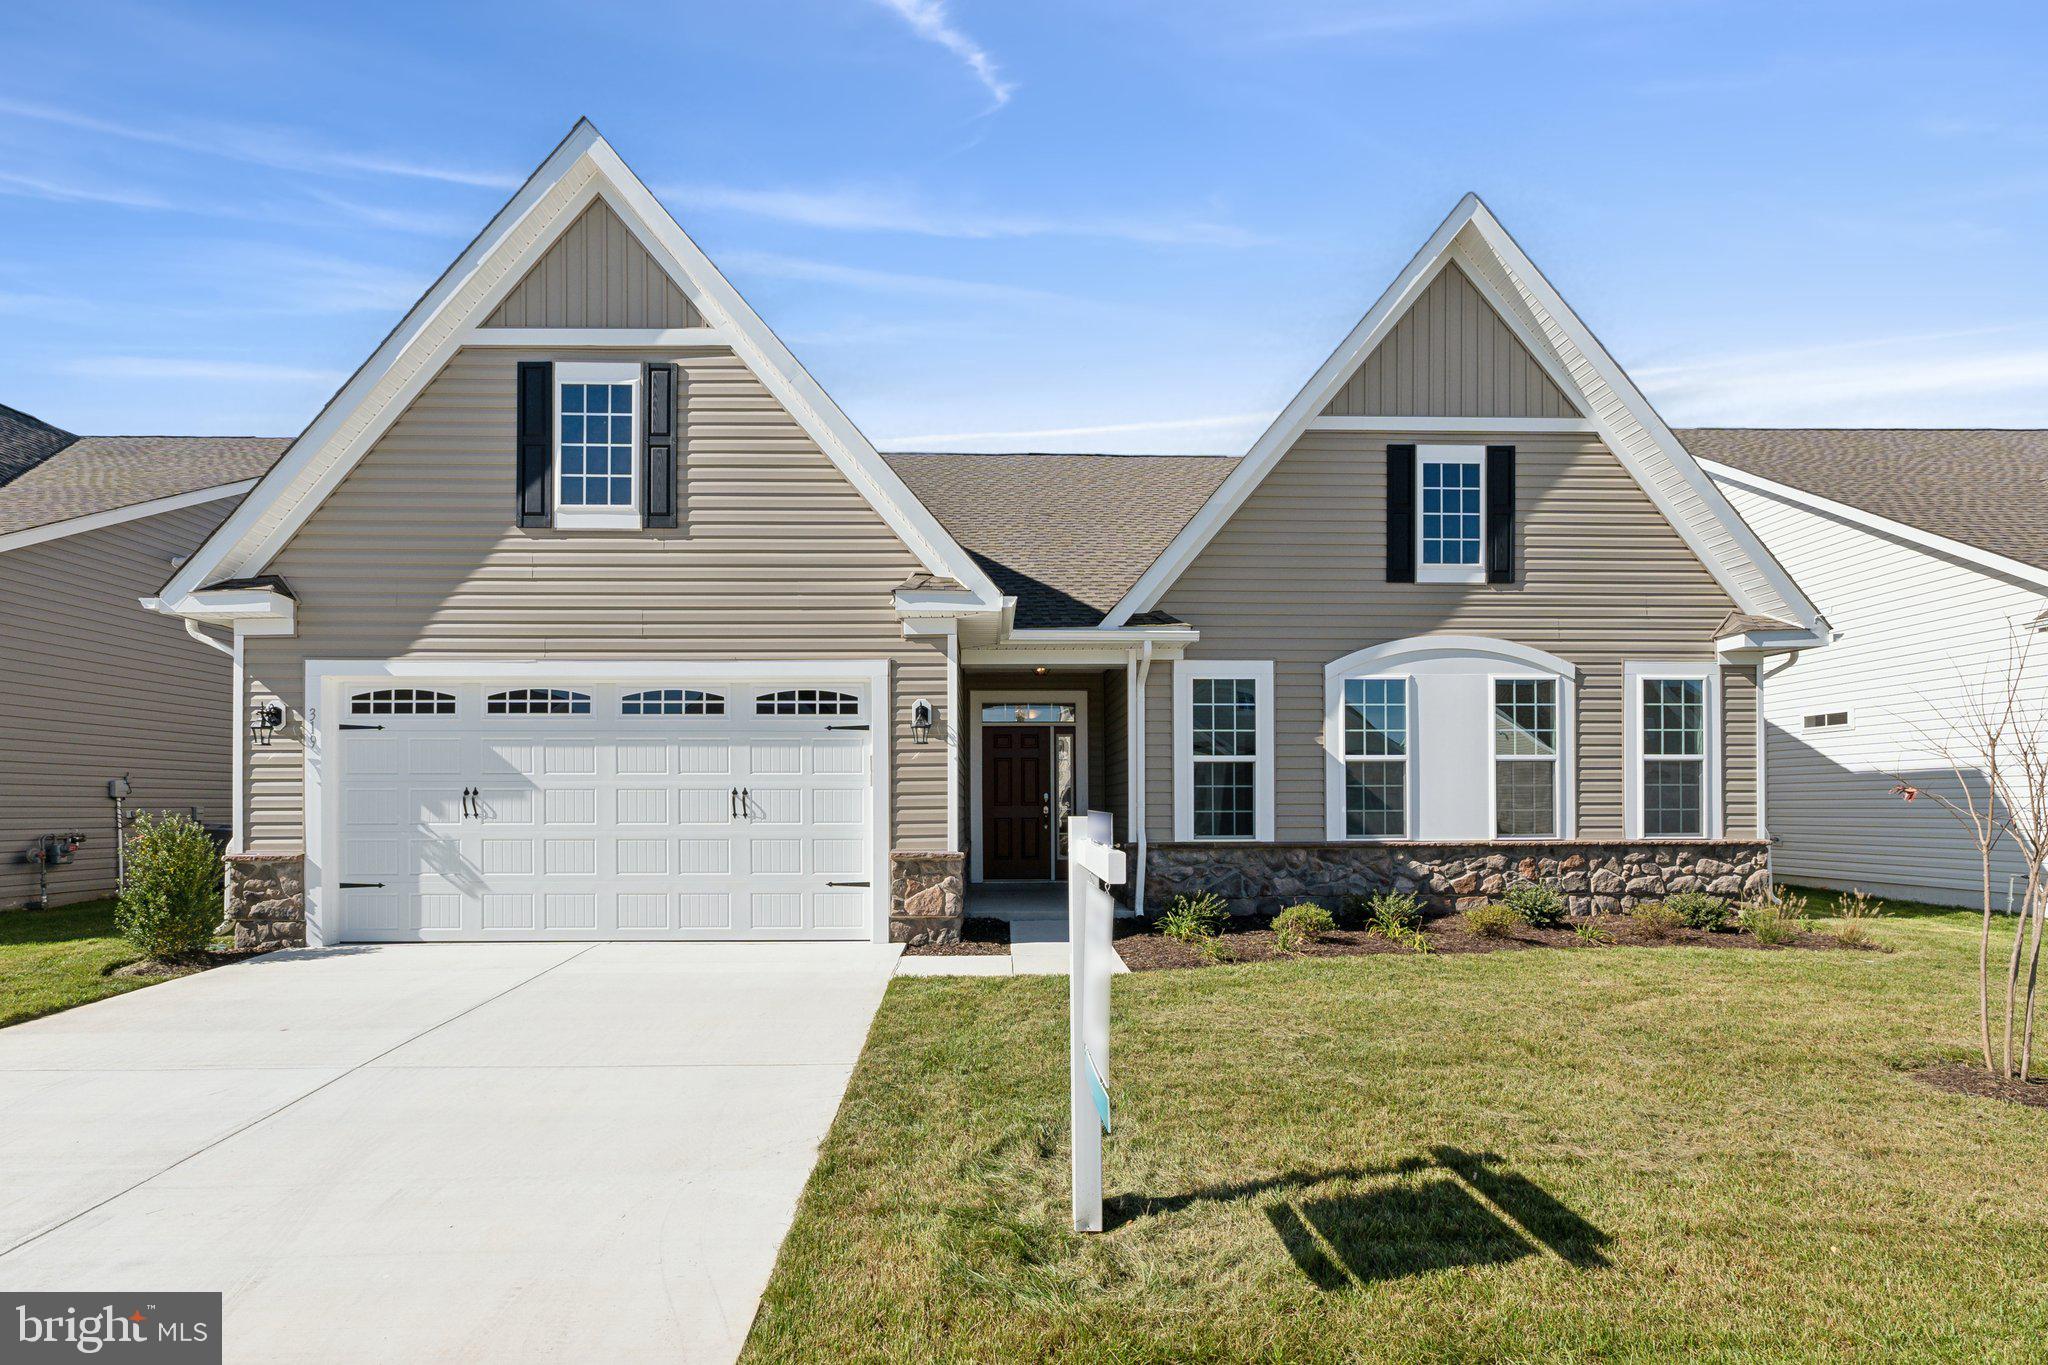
(597, 443)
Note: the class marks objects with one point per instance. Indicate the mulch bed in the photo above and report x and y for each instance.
(978, 938)
(162, 969)
(1250, 939)
(1967, 1078)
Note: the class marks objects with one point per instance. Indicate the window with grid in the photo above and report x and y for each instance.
(401, 701)
(1450, 512)
(1376, 758)
(595, 459)
(806, 701)
(1224, 734)
(1524, 758)
(1674, 757)
(672, 701)
(537, 701)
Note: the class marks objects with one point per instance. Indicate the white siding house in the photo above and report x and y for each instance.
(1921, 621)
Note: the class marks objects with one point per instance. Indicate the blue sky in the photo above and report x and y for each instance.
(1055, 225)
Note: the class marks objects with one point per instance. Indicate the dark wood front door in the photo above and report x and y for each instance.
(1016, 792)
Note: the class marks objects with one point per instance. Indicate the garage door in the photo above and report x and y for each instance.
(484, 811)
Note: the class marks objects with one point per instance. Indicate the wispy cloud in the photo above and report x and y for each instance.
(180, 367)
(884, 210)
(1228, 421)
(781, 267)
(930, 21)
(269, 147)
(63, 192)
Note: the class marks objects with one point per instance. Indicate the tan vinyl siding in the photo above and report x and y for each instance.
(596, 275)
(778, 557)
(1298, 576)
(96, 687)
(1450, 355)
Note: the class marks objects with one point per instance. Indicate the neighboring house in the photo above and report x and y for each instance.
(91, 688)
(1928, 553)
(587, 613)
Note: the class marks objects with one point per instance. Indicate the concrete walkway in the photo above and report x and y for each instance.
(1037, 916)
(439, 1152)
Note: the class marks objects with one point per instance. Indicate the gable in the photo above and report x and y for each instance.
(597, 274)
(1450, 355)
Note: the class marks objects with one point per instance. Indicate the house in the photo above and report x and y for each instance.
(1928, 552)
(582, 611)
(91, 690)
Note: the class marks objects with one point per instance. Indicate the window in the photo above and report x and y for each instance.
(672, 701)
(1826, 720)
(1376, 758)
(1043, 712)
(597, 444)
(1525, 765)
(1674, 757)
(1450, 541)
(806, 701)
(401, 701)
(1223, 750)
(537, 701)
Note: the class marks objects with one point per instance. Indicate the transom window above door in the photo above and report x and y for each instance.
(597, 444)
(1450, 514)
(1028, 713)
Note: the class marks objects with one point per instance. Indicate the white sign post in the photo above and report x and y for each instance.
(1094, 864)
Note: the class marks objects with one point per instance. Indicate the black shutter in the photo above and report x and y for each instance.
(534, 493)
(1400, 514)
(658, 448)
(1500, 514)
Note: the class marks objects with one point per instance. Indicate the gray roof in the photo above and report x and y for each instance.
(88, 474)
(1066, 535)
(1985, 488)
(26, 442)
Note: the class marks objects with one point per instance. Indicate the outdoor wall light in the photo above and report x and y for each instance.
(921, 721)
(265, 719)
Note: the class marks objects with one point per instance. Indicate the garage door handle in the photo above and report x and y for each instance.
(732, 804)
(357, 886)
(849, 883)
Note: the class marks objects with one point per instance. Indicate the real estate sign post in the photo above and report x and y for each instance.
(1094, 865)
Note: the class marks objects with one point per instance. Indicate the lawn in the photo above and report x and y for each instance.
(51, 960)
(1625, 1153)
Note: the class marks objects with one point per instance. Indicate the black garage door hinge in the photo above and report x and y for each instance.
(362, 727)
(846, 727)
(357, 886)
(849, 883)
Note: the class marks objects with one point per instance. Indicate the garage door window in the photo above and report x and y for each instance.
(537, 701)
(672, 701)
(401, 701)
(807, 701)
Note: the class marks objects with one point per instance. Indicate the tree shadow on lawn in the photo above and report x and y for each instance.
(1473, 1213)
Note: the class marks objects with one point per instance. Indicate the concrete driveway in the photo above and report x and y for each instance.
(438, 1152)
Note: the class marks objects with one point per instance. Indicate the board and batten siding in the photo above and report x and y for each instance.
(415, 556)
(93, 687)
(1918, 631)
(1298, 576)
(596, 275)
(1450, 355)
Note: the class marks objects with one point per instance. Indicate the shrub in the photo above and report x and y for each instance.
(173, 897)
(1391, 913)
(1190, 919)
(1772, 924)
(1299, 924)
(1496, 919)
(1593, 935)
(1656, 919)
(1540, 906)
(1854, 912)
(1214, 949)
(1698, 910)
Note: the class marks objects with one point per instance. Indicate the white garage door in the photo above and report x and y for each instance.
(484, 811)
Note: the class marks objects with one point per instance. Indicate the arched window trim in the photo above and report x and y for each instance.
(401, 701)
(672, 701)
(807, 701)
(537, 701)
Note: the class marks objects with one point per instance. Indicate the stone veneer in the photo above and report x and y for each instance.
(266, 899)
(1594, 876)
(927, 897)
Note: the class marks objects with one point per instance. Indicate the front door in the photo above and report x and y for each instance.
(1016, 802)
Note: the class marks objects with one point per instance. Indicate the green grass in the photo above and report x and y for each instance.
(1607, 1153)
(51, 960)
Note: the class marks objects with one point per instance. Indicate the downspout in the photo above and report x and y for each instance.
(192, 629)
(1763, 786)
(1140, 669)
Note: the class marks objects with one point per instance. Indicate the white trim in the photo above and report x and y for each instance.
(1870, 521)
(1475, 572)
(1724, 544)
(556, 338)
(1491, 426)
(1378, 657)
(325, 678)
(93, 521)
(584, 517)
(1185, 673)
(581, 169)
(995, 696)
(1634, 675)
(951, 733)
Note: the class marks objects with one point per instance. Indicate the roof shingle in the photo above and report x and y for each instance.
(105, 473)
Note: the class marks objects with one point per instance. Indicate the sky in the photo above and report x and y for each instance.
(1132, 225)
